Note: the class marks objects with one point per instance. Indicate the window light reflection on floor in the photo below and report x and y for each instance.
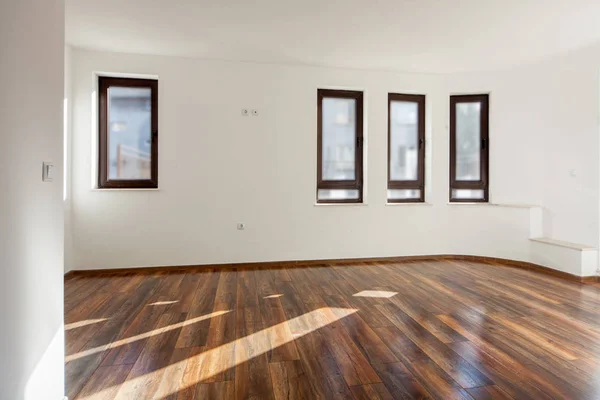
(163, 303)
(83, 323)
(375, 293)
(214, 361)
(142, 336)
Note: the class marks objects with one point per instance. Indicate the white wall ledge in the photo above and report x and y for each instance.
(560, 243)
(479, 204)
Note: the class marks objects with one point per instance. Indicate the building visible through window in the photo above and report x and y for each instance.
(469, 148)
(339, 176)
(406, 148)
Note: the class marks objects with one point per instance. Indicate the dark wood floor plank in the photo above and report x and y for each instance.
(362, 334)
(326, 379)
(222, 328)
(146, 375)
(215, 391)
(366, 330)
(252, 374)
(375, 391)
(488, 393)
(84, 290)
(80, 366)
(412, 307)
(105, 382)
(274, 318)
(560, 376)
(170, 386)
(195, 335)
(353, 364)
(308, 340)
(506, 375)
(289, 381)
(455, 366)
(400, 382)
(309, 292)
(134, 339)
(366, 308)
(489, 346)
(436, 381)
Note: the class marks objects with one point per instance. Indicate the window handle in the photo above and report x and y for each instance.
(421, 142)
(483, 144)
(359, 141)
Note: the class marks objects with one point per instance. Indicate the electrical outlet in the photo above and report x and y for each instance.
(245, 112)
(241, 226)
(255, 113)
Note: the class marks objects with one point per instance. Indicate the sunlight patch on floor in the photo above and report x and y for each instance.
(375, 293)
(83, 323)
(273, 296)
(146, 335)
(163, 303)
(219, 359)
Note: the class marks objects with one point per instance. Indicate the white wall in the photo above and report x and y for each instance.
(552, 109)
(217, 168)
(31, 212)
(570, 122)
(67, 150)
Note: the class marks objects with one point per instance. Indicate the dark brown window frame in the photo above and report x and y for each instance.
(104, 83)
(357, 183)
(483, 183)
(418, 184)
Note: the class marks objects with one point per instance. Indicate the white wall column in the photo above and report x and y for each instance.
(31, 211)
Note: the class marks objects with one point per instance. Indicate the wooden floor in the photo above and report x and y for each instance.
(442, 329)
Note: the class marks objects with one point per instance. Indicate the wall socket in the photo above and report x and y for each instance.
(255, 113)
(241, 226)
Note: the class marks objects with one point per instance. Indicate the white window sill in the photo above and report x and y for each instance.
(408, 204)
(464, 203)
(125, 190)
(341, 204)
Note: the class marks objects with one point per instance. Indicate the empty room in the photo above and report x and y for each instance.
(274, 199)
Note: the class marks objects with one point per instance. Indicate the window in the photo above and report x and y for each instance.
(340, 146)
(128, 133)
(469, 148)
(406, 148)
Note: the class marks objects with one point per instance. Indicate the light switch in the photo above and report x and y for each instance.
(47, 172)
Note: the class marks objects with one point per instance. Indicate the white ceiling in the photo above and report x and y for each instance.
(408, 35)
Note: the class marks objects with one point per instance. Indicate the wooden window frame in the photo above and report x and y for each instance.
(357, 183)
(104, 83)
(418, 184)
(483, 182)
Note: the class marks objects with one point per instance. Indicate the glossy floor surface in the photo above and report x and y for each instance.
(440, 329)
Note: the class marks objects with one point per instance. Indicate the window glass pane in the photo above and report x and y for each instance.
(337, 194)
(468, 141)
(129, 133)
(464, 194)
(404, 141)
(339, 139)
(403, 194)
